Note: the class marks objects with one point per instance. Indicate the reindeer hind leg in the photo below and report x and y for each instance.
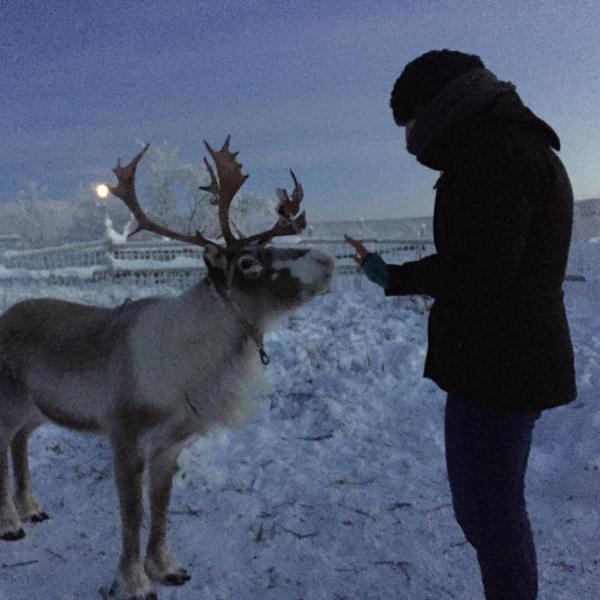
(10, 522)
(24, 498)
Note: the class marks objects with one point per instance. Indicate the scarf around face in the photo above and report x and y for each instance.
(463, 98)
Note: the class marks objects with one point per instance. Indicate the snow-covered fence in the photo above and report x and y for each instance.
(584, 260)
(104, 270)
(62, 270)
(79, 270)
(84, 254)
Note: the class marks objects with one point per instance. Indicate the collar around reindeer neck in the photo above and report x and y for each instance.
(256, 335)
(253, 332)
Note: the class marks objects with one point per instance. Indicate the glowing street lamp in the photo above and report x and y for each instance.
(114, 237)
(102, 191)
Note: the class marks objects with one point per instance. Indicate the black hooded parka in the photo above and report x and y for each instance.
(498, 333)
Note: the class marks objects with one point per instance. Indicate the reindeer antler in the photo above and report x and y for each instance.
(223, 185)
(230, 180)
(125, 190)
(290, 222)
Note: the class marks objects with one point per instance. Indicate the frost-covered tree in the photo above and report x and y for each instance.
(169, 192)
(43, 222)
(38, 219)
(250, 211)
(170, 186)
(172, 195)
(86, 213)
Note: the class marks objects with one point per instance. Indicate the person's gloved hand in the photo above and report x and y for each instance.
(375, 268)
(373, 265)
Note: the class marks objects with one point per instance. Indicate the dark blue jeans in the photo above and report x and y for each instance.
(486, 454)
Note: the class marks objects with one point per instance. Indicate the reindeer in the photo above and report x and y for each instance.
(151, 374)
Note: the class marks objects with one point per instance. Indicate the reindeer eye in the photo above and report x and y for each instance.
(250, 266)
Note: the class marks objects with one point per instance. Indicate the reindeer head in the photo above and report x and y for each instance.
(281, 277)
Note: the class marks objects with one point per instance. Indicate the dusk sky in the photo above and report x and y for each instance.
(297, 84)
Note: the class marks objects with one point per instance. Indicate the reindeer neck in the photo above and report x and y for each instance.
(252, 326)
(244, 310)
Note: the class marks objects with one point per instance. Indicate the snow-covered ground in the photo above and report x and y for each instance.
(337, 488)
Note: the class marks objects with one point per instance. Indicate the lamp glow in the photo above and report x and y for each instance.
(102, 191)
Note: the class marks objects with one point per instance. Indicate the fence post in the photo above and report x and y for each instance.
(110, 263)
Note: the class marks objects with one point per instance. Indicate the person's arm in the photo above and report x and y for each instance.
(373, 266)
(376, 269)
(402, 281)
(483, 249)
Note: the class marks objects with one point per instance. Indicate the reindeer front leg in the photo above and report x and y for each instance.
(160, 564)
(131, 582)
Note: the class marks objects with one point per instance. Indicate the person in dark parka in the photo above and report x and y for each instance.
(498, 338)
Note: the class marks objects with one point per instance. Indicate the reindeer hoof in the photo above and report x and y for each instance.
(12, 536)
(179, 578)
(40, 518)
(107, 595)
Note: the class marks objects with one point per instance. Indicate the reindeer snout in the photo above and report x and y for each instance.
(326, 266)
(312, 269)
(325, 261)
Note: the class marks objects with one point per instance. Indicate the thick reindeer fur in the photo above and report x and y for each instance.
(150, 375)
(217, 369)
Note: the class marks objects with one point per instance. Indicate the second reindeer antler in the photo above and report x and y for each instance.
(228, 181)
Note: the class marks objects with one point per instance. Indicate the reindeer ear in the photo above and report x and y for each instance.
(215, 257)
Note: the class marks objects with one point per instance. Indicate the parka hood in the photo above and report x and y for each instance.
(474, 107)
